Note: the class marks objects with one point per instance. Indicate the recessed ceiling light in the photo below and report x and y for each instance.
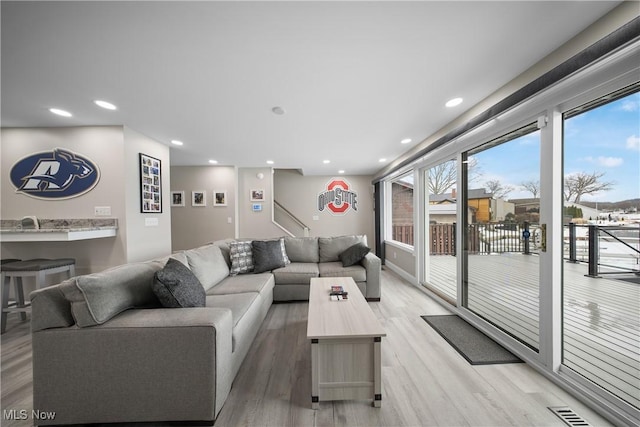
(176, 142)
(405, 141)
(278, 110)
(104, 104)
(453, 102)
(340, 171)
(213, 162)
(382, 160)
(269, 162)
(60, 112)
(326, 162)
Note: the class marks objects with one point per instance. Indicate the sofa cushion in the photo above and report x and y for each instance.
(302, 249)
(335, 269)
(243, 283)
(177, 287)
(354, 254)
(207, 264)
(241, 255)
(330, 248)
(239, 304)
(96, 298)
(50, 309)
(267, 255)
(296, 273)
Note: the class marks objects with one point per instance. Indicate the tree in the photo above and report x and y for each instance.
(579, 184)
(499, 191)
(532, 186)
(444, 176)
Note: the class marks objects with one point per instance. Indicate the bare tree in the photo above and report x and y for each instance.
(444, 176)
(579, 184)
(532, 186)
(499, 191)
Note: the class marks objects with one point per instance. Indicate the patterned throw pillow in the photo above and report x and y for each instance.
(241, 258)
(287, 261)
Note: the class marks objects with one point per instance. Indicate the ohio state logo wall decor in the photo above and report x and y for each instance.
(54, 175)
(338, 197)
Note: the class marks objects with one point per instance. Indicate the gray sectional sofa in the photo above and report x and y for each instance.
(106, 350)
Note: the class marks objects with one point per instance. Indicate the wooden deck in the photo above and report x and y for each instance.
(601, 315)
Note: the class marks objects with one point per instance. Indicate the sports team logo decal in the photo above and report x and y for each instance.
(57, 174)
(338, 197)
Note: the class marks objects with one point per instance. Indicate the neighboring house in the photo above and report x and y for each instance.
(482, 205)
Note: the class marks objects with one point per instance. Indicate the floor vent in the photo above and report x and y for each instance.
(568, 415)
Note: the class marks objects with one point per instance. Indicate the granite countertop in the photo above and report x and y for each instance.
(60, 225)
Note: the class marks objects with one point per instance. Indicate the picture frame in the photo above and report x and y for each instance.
(219, 197)
(257, 195)
(150, 184)
(199, 198)
(177, 199)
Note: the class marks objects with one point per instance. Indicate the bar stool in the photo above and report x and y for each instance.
(36, 268)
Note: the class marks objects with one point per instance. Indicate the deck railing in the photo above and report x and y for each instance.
(607, 249)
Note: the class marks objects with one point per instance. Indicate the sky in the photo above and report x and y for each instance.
(603, 140)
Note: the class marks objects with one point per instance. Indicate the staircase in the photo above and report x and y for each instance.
(288, 221)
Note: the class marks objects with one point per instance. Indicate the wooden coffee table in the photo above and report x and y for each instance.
(345, 344)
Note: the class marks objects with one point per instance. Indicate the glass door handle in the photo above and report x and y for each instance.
(543, 237)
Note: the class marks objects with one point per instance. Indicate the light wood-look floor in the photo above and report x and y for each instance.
(425, 381)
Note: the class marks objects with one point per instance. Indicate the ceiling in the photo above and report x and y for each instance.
(354, 78)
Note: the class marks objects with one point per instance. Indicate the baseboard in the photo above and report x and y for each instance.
(400, 272)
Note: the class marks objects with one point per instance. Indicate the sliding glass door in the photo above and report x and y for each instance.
(501, 205)
(600, 282)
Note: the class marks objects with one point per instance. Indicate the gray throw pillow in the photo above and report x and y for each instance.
(176, 286)
(354, 254)
(241, 256)
(267, 255)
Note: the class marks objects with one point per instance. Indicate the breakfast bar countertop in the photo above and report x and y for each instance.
(58, 230)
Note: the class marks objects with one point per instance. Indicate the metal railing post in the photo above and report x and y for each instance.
(573, 256)
(593, 251)
(526, 235)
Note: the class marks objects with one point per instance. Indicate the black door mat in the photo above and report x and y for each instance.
(472, 344)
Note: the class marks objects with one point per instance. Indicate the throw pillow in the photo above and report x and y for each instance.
(354, 254)
(287, 261)
(267, 255)
(176, 286)
(241, 257)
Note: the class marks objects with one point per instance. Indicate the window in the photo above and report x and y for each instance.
(402, 209)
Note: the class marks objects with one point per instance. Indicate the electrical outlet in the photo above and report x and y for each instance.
(102, 211)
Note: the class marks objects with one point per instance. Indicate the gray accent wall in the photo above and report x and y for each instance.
(115, 150)
(299, 195)
(195, 226)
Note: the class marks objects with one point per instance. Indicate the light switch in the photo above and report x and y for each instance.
(151, 222)
(102, 211)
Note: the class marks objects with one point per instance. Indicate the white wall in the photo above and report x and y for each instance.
(256, 224)
(145, 242)
(195, 226)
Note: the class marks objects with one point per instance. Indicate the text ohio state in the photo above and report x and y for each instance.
(337, 196)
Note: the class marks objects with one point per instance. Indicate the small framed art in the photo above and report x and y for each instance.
(150, 184)
(219, 197)
(257, 195)
(177, 198)
(199, 198)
